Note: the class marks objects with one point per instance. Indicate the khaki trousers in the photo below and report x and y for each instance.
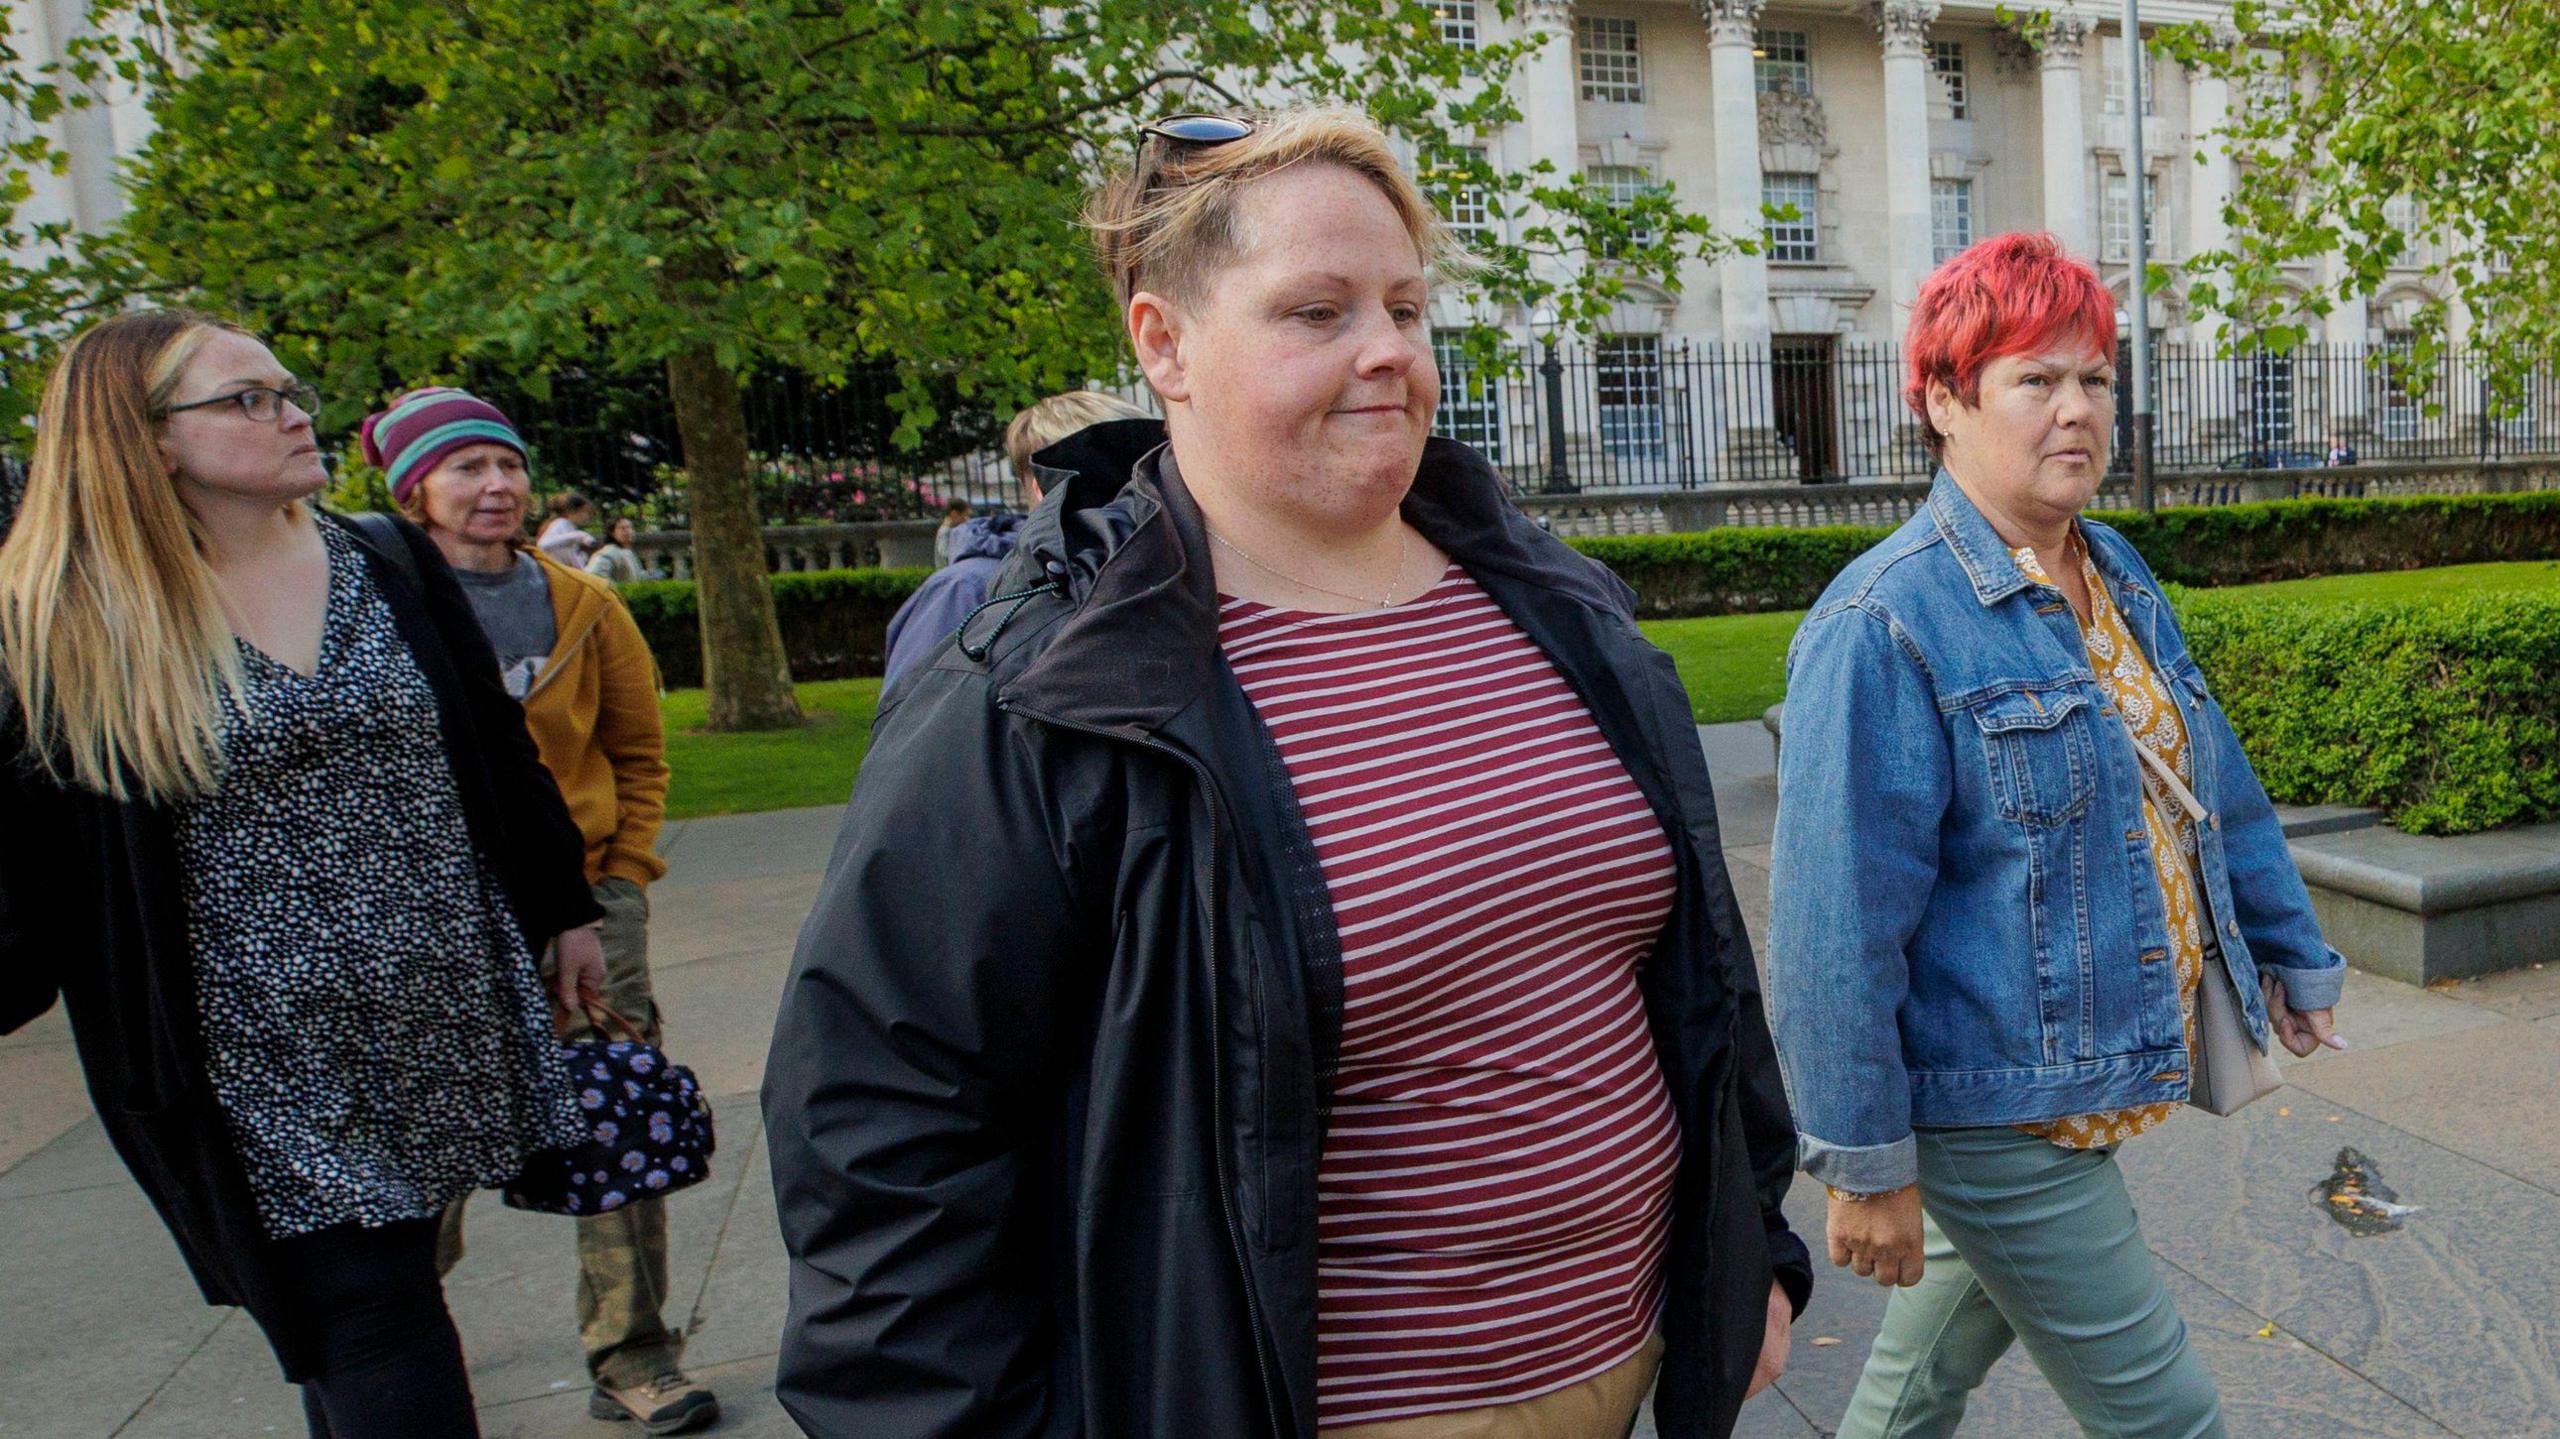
(1603, 1406)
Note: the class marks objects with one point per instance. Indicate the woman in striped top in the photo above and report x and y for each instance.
(1362, 1039)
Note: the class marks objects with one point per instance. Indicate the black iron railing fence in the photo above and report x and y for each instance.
(1624, 414)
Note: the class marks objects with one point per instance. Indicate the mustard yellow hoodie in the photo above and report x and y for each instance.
(593, 711)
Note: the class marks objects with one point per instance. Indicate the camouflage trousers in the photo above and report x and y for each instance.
(622, 1256)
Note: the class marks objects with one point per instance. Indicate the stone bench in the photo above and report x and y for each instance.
(2419, 909)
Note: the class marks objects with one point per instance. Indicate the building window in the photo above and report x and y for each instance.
(2269, 87)
(1946, 57)
(1448, 174)
(1457, 22)
(1781, 62)
(1470, 396)
(2400, 212)
(1628, 377)
(2402, 412)
(1622, 185)
(2116, 218)
(2112, 56)
(1796, 241)
(1950, 218)
(2271, 400)
(1612, 67)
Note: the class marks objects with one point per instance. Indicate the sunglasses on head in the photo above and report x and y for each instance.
(1196, 129)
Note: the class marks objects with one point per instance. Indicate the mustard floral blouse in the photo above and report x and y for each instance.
(2148, 708)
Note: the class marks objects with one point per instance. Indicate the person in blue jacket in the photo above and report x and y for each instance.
(978, 546)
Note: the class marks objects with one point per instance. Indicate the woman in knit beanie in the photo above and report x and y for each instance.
(570, 651)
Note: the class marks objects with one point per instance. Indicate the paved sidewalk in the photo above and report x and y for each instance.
(2444, 1328)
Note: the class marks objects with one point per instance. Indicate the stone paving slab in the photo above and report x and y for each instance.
(2487, 1095)
(2445, 1327)
(2532, 992)
(99, 1312)
(45, 1097)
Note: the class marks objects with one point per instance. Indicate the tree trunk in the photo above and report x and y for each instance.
(743, 667)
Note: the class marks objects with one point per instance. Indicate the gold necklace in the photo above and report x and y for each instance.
(1404, 548)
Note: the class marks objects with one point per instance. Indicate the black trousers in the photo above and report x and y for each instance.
(390, 1363)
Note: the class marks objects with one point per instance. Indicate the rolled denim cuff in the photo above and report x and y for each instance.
(1866, 1169)
(2312, 988)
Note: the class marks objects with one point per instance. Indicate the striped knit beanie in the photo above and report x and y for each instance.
(407, 441)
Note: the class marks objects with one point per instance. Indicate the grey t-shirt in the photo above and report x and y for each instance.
(514, 606)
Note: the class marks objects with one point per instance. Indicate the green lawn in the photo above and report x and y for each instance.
(779, 769)
(1734, 666)
(2416, 584)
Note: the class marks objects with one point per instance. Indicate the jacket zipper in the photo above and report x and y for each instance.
(551, 667)
(1217, 1043)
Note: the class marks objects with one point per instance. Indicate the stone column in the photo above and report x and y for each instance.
(1904, 28)
(1744, 410)
(2066, 141)
(1744, 278)
(2211, 386)
(88, 132)
(1549, 94)
(2343, 341)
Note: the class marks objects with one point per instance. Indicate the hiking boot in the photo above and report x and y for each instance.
(669, 1404)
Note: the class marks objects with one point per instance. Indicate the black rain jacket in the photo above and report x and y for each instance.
(1048, 1086)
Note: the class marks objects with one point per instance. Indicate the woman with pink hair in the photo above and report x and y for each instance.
(2016, 841)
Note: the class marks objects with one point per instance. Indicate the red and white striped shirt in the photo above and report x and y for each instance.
(1495, 1191)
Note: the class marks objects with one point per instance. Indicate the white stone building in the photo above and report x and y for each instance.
(1901, 130)
(89, 194)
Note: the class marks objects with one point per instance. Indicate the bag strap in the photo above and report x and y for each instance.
(382, 535)
(611, 1023)
(2163, 771)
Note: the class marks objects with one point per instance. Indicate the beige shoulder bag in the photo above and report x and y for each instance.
(2227, 1072)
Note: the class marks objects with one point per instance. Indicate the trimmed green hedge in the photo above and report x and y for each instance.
(1743, 571)
(1735, 571)
(2442, 713)
(833, 621)
(2296, 539)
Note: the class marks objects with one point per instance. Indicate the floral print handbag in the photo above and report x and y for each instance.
(648, 1127)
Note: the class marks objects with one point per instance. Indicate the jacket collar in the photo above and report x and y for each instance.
(1978, 547)
(1987, 560)
(1119, 529)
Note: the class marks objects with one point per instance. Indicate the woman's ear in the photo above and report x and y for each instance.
(1155, 332)
(1942, 405)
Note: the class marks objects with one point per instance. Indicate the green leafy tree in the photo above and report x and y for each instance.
(705, 189)
(2345, 111)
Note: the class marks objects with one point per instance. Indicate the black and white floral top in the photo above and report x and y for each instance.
(373, 1026)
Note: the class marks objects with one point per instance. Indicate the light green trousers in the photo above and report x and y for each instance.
(2031, 1241)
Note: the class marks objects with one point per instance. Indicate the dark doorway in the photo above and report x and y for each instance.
(1801, 387)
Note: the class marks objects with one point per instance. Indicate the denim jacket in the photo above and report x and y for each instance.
(1967, 928)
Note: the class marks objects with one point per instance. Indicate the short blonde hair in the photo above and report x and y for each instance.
(1057, 417)
(1171, 222)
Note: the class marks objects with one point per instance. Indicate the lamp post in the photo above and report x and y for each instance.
(2138, 299)
(1559, 480)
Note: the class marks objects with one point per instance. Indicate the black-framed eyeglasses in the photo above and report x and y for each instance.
(262, 403)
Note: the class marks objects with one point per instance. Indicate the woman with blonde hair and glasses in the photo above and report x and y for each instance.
(276, 838)
(1279, 975)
